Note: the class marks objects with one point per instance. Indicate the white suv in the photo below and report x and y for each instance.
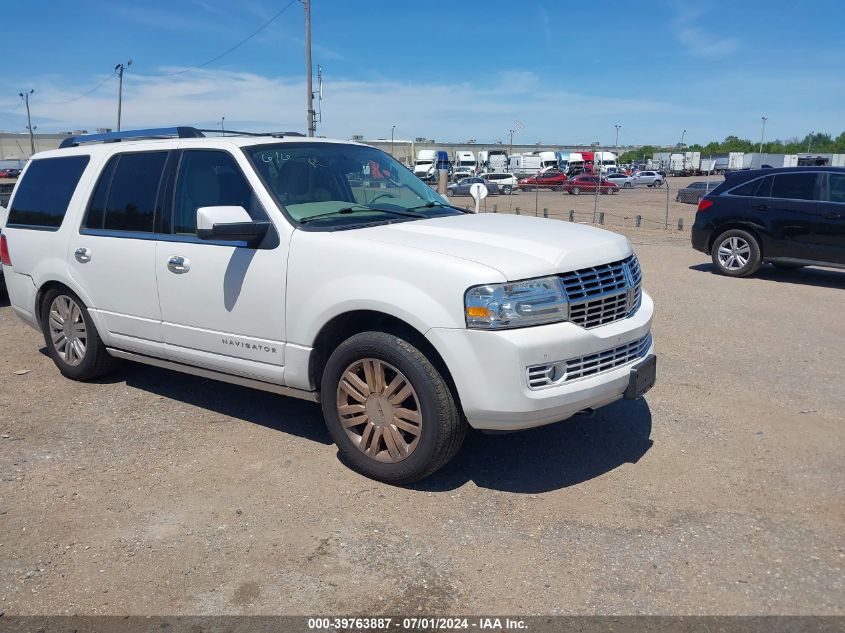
(323, 270)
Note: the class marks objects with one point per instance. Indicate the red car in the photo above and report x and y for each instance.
(553, 180)
(588, 183)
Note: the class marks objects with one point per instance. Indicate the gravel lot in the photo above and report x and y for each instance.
(719, 493)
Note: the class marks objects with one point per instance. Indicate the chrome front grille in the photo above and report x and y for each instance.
(566, 371)
(603, 294)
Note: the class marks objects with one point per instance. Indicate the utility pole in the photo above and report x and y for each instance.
(809, 141)
(510, 152)
(392, 130)
(25, 97)
(119, 70)
(308, 82)
(762, 133)
(683, 134)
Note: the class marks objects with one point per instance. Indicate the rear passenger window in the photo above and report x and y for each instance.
(794, 186)
(747, 189)
(126, 194)
(44, 193)
(210, 178)
(836, 188)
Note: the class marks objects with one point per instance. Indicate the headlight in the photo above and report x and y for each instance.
(517, 304)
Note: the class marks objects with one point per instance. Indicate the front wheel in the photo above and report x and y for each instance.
(628, 185)
(388, 409)
(736, 253)
(72, 340)
(506, 190)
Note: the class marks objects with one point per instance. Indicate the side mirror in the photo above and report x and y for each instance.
(229, 224)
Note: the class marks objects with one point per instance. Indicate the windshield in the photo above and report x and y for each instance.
(346, 185)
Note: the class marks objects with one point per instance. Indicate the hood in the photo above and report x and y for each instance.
(520, 247)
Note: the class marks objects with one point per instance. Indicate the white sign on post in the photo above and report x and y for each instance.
(478, 192)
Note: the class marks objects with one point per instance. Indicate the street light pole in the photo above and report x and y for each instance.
(683, 134)
(809, 141)
(119, 70)
(25, 97)
(762, 133)
(223, 125)
(392, 130)
(510, 151)
(617, 141)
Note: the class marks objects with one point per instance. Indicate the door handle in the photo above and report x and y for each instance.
(179, 265)
(82, 255)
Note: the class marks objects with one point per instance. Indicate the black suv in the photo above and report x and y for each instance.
(790, 217)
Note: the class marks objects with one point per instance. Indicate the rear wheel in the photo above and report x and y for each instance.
(71, 338)
(627, 185)
(736, 253)
(506, 190)
(575, 191)
(388, 409)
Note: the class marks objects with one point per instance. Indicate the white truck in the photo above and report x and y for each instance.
(464, 165)
(424, 166)
(263, 261)
(729, 162)
(756, 160)
(531, 163)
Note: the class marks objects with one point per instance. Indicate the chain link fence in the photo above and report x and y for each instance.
(671, 205)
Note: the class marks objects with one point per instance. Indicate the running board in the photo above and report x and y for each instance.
(313, 396)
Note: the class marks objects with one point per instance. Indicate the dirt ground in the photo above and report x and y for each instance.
(720, 493)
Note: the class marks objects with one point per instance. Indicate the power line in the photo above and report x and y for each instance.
(236, 46)
(84, 94)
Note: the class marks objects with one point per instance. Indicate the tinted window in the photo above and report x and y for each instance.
(794, 186)
(836, 187)
(209, 179)
(747, 189)
(45, 192)
(129, 186)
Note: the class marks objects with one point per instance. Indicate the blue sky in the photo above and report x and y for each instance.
(450, 71)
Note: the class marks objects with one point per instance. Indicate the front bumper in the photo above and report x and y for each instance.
(489, 369)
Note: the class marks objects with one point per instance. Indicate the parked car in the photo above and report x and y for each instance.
(461, 188)
(790, 217)
(251, 260)
(4, 173)
(505, 182)
(695, 191)
(587, 183)
(622, 180)
(650, 178)
(553, 180)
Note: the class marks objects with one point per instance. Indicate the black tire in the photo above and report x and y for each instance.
(96, 361)
(506, 190)
(754, 258)
(627, 185)
(575, 191)
(442, 427)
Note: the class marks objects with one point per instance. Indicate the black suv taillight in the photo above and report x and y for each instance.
(704, 204)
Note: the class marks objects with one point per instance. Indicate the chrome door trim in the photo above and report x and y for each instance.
(311, 396)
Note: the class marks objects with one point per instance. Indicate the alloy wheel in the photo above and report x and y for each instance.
(734, 253)
(379, 409)
(67, 330)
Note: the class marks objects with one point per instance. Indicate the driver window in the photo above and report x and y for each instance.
(209, 178)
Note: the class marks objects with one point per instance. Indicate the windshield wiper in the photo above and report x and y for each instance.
(434, 203)
(359, 207)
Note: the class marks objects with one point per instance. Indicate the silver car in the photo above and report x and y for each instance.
(650, 179)
(621, 180)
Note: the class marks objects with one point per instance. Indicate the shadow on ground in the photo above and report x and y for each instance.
(288, 415)
(550, 457)
(820, 277)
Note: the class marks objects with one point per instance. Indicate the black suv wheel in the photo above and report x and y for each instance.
(736, 253)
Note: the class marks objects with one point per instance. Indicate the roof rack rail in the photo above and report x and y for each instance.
(116, 137)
